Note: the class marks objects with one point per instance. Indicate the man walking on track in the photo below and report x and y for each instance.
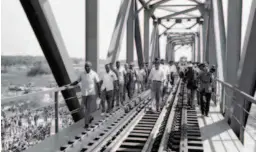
(90, 86)
(156, 78)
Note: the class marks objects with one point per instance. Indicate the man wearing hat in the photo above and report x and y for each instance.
(156, 78)
(90, 87)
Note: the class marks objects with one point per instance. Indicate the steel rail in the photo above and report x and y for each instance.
(93, 137)
(165, 138)
(152, 137)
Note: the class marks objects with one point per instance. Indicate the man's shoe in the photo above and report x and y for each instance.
(91, 119)
(86, 126)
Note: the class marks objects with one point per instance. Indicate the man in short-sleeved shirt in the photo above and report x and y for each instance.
(107, 87)
(121, 83)
(90, 87)
(156, 78)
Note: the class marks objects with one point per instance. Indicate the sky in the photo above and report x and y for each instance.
(18, 37)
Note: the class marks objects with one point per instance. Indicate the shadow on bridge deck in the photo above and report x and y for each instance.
(216, 134)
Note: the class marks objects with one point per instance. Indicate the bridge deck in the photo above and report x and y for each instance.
(54, 142)
(216, 134)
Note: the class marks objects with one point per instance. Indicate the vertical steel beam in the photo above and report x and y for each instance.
(42, 21)
(146, 35)
(157, 47)
(130, 34)
(206, 36)
(212, 45)
(167, 49)
(201, 39)
(197, 47)
(220, 37)
(91, 34)
(172, 51)
(138, 39)
(233, 48)
(246, 73)
(193, 49)
(154, 43)
(117, 35)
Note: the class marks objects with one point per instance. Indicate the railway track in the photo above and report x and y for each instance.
(135, 129)
(145, 131)
(100, 132)
(184, 135)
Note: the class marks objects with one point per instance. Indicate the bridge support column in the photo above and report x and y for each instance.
(138, 39)
(212, 44)
(157, 47)
(193, 49)
(146, 35)
(172, 51)
(206, 36)
(91, 34)
(167, 52)
(246, 74)
(153, 47)
(233, 49)
(42, 21)
(117, 35)
(220, 41)
(130, 34)
(197, 44)
(201, 39)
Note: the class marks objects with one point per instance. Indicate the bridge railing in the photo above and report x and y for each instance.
(50, 114)
(233, 93)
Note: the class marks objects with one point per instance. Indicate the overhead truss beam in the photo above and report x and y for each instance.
(181, 12)
(173, 11)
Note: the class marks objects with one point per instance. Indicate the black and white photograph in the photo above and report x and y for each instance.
(128, 75)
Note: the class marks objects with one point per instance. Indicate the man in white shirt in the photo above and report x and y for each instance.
(173, 72)
(111, 66)
(121, 76)
(156, 78)
(107, 88)
(166, 70)
(90, 87)
(141, 74)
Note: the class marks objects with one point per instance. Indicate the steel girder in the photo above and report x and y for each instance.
(220, 35)
(206, 32)
(233, 49)
(130, 33)
(153, 43)
(146, 35)
(138, 40)
(117, 35)
(91, 33)
(212, 45)
(201, 39)
(197, 47)
(173, 11)
(48, 35)
(155, 5)
(246, 74)
(181, 12)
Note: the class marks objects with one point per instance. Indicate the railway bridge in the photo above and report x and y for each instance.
(177, 127)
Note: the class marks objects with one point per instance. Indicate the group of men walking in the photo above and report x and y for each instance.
(199, 78)
(118, 81)
(115, 83)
